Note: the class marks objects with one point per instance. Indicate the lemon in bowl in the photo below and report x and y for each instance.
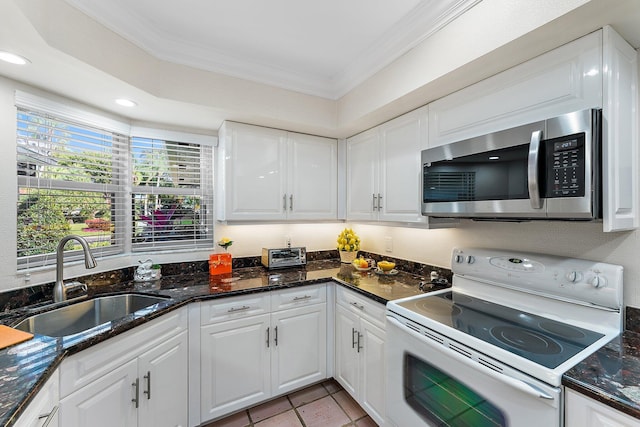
(386, 265)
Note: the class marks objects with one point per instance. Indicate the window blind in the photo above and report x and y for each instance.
(172, 194)
(70, 181)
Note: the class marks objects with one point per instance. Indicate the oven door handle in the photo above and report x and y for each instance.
(513, 382)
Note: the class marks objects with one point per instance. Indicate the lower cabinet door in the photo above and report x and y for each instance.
(106, 402)
(372, 369)
(299, 347)
(163, 376)
(582, 411)
(231, 351)
(346, 350)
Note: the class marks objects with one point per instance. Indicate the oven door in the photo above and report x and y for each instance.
(430, 384)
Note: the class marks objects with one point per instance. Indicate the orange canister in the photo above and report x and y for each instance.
(220, 263)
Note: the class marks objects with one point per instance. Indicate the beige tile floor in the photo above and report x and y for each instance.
(321, 405)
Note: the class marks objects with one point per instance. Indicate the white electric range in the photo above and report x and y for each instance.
(491, 351)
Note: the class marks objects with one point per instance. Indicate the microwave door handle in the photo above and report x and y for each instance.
(532, 170)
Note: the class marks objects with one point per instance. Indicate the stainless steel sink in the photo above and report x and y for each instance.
(85, 315)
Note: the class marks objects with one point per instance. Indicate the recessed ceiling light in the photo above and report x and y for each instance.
(12, 58)
(126, 102)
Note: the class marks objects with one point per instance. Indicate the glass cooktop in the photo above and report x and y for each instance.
(541, 340)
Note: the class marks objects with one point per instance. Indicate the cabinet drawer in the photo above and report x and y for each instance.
(296, 297)
(361, 305)
(234, 308)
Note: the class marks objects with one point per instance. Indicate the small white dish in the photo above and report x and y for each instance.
(391, 272)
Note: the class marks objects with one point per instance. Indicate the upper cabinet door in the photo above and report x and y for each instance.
(401, 141)
(563, 80)
(251, 173)
(383, 170)
(313, 177)
(268, 174)
(363, 151)
(620, 134)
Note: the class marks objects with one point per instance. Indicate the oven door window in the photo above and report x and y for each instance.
(443, 400)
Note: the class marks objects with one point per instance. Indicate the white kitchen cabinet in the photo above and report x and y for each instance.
(260, 346)
(299, 355)
(596, 71)
(105, 402)
(270, 174)
(138, 378)
(582, 411)
(563, 80)
(163, 384)
(235, 365)
(620, 161)
(360, 351)
(383, 170)
(43, 409)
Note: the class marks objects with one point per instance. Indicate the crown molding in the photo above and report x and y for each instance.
(420, 23)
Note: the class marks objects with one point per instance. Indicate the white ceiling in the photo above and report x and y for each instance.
(322, 48)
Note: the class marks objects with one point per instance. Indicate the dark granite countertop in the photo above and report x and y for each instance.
(25, 367)
(611, 375)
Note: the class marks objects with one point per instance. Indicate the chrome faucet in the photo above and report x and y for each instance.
(60, 288)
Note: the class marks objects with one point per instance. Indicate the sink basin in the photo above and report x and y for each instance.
(85, 315)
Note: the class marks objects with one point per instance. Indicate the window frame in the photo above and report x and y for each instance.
(122, 188)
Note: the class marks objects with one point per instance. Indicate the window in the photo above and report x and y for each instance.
(172, 194)
(69, 182)
(76, 175)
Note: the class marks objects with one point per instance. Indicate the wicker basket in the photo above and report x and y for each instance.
(348, 256)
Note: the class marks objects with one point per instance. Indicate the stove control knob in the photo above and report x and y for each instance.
(471, 259)
(459, 259)
(573, 276)
(599, 282)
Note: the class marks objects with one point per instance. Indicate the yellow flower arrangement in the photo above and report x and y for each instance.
(348, 241)
(225, 242)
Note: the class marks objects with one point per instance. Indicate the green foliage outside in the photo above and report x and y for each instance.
(41, 225)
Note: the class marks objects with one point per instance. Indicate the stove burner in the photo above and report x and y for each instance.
(525, 340)
(438, 307)
(458, 297)
(560, 329)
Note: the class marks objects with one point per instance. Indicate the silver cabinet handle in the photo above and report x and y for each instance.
(353, 340)
(375, 201)
(234, 309)
(302, 298)
(532, 170)
(136, 392)
(379, 201)
(284, 202)
(275, 338)
(358, 306)
(148, 390)
(359, 346)
(291, 202)
(267, 337)
(49, 417)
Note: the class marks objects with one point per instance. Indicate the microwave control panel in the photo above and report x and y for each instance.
(565, 166)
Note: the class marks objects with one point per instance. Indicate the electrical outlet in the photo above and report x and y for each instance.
(287, 241)
(388, 244)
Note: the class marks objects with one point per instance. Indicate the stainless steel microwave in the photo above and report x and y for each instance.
(545, 170)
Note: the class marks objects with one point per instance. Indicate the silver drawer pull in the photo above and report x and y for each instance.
(302, 298)
(243, 308)
(358, 306)
(136, 393)
(49, 417)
